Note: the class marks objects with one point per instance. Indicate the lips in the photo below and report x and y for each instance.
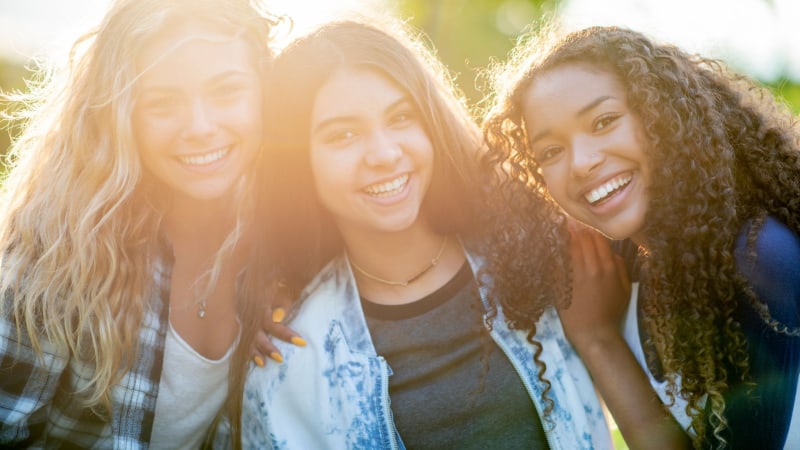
(203, 159)
(608, 189)
(388, 188)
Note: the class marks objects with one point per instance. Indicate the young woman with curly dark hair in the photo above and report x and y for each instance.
(699, 167)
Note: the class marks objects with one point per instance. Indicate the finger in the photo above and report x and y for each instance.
(285, 333)
(268, 317)
(275, 327)
(264, 346)
(282, 296)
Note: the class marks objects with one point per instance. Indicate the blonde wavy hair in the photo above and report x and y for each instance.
(79, 221)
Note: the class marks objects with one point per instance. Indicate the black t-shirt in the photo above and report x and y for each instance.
(451, 387)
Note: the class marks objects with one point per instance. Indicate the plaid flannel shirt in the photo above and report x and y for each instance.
(38, 407)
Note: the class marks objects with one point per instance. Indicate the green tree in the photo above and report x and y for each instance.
(469, 34)
(485, 30)
(12, 78)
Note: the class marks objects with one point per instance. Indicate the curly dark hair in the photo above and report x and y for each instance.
(723, 152)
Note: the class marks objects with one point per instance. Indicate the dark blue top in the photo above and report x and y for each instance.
(761, 419)
(758, 419)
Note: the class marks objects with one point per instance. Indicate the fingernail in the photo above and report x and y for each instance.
(298, 341)
(259, 361)
(276, 357)
(278, 314)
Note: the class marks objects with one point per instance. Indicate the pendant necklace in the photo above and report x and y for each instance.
(201, 312)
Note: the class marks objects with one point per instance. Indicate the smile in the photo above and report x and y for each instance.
(203, 159)
(388, 188)
(608, 189)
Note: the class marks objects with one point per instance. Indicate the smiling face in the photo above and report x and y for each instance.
(590, 148)
(197, 118)
(371, 157)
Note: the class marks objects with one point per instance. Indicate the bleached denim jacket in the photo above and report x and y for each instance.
(334, 393)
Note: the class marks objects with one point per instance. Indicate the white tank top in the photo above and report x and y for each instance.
(631, 334)
(191, 392)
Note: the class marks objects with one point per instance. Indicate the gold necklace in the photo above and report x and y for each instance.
(430, 266)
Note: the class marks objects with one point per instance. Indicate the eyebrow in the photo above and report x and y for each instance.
(220, 77)
(324, 123)
(588, 107)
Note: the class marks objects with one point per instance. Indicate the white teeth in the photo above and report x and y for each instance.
(206, 158)
(387, 189)
(601, 192)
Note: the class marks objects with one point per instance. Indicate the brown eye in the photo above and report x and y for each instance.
(161, 105)
(402, 118)
(548, 153)
(604, 121)
(340, 136)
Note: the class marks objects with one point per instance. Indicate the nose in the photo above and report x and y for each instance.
(585, 158)
(200, 123)
(382, 150)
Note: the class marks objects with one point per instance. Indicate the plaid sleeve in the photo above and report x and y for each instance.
(28, 383)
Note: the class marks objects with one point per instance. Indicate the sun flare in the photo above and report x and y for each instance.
(305, 14)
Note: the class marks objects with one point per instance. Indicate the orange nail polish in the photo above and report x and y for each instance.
(259, 361)
(278, 314)
(276, 356)
(298, 341)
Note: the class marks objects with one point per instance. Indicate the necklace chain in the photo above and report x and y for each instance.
(430, 266)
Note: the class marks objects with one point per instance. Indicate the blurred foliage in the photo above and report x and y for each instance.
(484, 31)
(789, 92)
(12, 78)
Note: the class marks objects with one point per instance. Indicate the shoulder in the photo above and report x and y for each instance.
(771, 267)
(776, 251)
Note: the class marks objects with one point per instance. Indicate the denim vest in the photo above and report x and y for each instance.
(334, 393)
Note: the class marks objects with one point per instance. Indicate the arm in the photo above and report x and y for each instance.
(592, 323)
(28, 383)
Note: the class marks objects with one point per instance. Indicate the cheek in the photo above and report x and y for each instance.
(327, 175)
(252, 119)
(153, 134)
(555, 182)
(317, 171)
(423, 150)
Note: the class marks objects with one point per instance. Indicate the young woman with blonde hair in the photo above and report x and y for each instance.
(124, 213)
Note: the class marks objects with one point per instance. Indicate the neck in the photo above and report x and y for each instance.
(383, 263)
(199, 220)
(389, 253)
(639, 240)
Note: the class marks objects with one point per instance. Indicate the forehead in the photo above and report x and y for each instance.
(355, 89)
(178, 48)
(572, 86)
